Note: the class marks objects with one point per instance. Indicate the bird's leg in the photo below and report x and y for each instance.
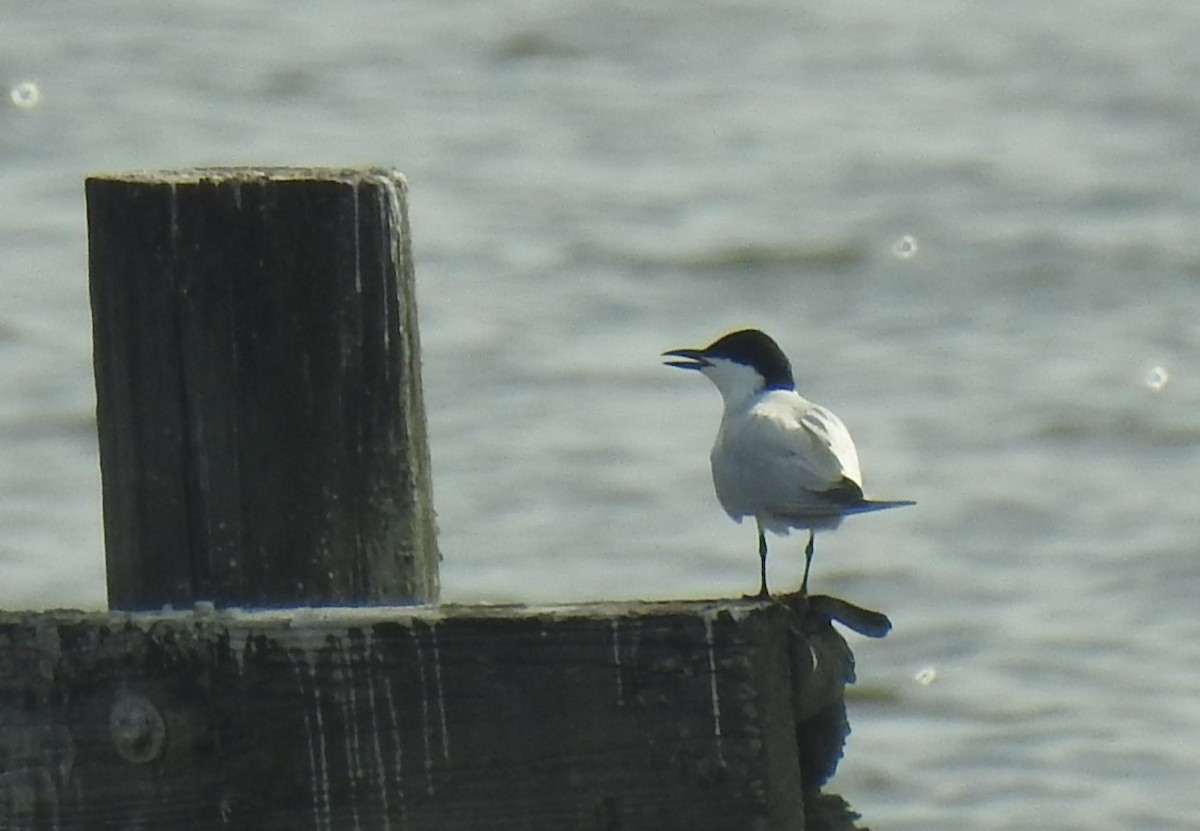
(808, 552)
(763, 594)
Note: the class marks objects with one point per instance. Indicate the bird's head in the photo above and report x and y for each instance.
(740, 364)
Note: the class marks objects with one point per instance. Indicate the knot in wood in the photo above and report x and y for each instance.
(137, 729)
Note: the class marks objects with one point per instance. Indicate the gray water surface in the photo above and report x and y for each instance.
(593, 183)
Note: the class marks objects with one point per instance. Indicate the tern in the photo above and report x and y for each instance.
(778, 457)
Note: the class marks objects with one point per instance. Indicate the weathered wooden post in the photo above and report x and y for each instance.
(262, 430)
(262, 445)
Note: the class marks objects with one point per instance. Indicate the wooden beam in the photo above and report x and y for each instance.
(262, 429)
(660, 716)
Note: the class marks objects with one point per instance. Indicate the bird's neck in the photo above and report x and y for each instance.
(739, 401)
(739, 398)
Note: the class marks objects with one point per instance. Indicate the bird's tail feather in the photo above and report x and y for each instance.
(869, 505)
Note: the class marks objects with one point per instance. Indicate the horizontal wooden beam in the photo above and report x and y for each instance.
(697, 715)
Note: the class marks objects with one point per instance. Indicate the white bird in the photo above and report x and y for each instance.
(778, 457)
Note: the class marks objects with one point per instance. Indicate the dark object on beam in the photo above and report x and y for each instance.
(262, 428)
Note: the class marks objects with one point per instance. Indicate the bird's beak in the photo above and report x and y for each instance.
(694, 358)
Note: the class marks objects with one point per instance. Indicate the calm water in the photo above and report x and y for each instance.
(595, 183)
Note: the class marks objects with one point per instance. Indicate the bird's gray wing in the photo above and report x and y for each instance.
(829, 432)
(793, 459)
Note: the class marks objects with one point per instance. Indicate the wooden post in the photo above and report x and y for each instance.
(262, 429)
(638, 717)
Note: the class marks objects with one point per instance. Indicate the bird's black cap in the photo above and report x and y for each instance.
(756, 349)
